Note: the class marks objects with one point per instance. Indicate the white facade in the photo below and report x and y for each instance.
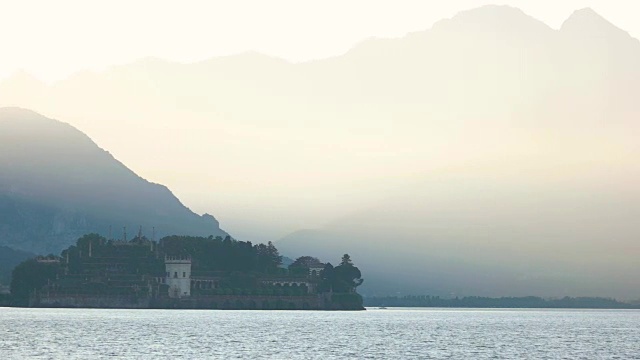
(178, 276)
(315, 270)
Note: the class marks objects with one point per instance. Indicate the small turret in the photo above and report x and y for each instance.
(178, 275)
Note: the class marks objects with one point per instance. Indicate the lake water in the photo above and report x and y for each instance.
(373, 334)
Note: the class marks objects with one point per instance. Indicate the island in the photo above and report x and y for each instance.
(183, 272)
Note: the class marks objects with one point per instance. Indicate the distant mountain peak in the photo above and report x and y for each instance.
(496, 17)
(587, 11)
(588, 21)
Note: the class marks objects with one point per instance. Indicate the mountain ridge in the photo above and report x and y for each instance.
(51, 166)
(483, 15)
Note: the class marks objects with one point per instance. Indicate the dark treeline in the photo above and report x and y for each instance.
(503, 302)
(218, 254)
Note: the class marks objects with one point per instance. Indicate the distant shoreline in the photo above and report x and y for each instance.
(495, 308)
(474, 302)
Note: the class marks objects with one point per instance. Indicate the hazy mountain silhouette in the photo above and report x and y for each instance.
(57, 185)
(472, 233)
(490, 154)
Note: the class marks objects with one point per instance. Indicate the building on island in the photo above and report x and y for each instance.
(178, 275)
(316, 268)
(179, 272)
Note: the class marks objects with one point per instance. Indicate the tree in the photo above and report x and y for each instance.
(346, 260)
(88, 242)
(29, 277)
(346, 276)
(274, 254)
(305, 261)
(326, 279)
(302, 264)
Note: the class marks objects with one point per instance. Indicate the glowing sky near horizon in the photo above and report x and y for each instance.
(53, 39)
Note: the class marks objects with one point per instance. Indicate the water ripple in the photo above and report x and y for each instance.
(374, 334)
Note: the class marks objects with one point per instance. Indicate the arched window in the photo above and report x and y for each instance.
(175, 274)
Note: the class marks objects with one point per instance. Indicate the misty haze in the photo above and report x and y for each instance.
(211, 179)
(488, 155)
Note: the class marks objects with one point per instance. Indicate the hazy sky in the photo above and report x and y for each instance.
(502, 145)
(52, 39)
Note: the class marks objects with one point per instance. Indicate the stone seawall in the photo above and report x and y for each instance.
(223, 302)
(243, 302)
(93, 301)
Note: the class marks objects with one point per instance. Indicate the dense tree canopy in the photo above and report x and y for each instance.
(218, 254)
(28, 277)
(343, 278)
(305, 262)
(302, 264)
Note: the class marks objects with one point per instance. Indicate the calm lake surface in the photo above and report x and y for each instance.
(373, 334)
